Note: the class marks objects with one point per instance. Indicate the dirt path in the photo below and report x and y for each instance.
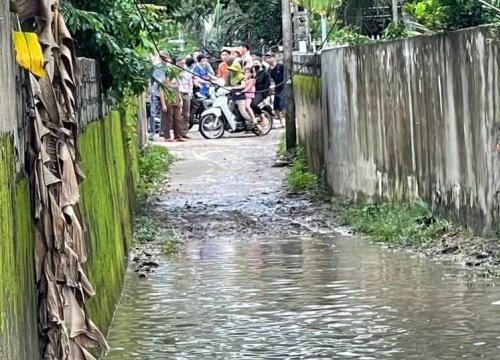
(228, 186)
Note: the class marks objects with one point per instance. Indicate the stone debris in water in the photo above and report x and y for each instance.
(144, 261)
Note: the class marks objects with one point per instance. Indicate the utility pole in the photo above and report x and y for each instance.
(291, 130)
(323, 29)
(395, 14)
(294, 9)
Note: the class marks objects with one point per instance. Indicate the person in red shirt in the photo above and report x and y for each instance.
(222, 71)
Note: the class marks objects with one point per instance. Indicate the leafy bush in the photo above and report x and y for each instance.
(299, 178)
(429, 13)
(154, 164)
(395, 31)
(449, 14)
(348, 36)
(413, 224)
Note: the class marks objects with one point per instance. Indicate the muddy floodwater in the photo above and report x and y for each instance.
(262, 275)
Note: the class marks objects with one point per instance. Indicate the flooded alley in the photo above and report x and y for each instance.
(267, 275)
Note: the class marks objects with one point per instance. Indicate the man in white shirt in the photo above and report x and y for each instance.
(186, 89)
(247, 60)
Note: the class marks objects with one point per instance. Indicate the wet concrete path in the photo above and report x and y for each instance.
(263, 276)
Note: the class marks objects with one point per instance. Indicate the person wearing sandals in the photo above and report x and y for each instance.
(172, 111)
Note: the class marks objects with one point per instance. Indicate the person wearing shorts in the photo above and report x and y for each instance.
(277, 72)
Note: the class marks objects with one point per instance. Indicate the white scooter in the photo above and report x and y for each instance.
(219, 118)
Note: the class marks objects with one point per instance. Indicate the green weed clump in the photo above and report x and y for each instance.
(171, 245)
(147, 229)
(151, 230)
(405, 225)
(154, 164)
(281, 147)
(299, 178)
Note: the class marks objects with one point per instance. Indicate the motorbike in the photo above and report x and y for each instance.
(218, 119)
(199, 104)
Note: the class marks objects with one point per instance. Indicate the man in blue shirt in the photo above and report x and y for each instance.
(204, 76)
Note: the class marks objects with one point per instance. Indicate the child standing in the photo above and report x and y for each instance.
(249, 91)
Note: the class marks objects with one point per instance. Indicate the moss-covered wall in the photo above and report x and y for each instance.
(18, 322)
(108, 153)
(109, 159)
(307, 94)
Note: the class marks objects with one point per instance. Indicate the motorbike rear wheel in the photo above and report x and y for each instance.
(212, 127)
(266, 122)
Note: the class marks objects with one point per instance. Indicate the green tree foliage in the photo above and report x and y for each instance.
(449, 14)
(258, 22)
(114, 33)
(183, 11)
(464, 13)
(373, 17)
(265, 22)
(322, 7)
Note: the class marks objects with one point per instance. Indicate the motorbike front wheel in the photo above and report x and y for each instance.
(211, 127)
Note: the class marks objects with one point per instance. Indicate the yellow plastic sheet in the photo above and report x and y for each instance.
(29, 53)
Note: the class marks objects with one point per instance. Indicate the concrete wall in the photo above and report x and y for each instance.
(8, 104)
(89, 105)
(415, 118)
(18, 318)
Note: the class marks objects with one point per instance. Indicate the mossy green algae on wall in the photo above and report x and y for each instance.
(308, 86)
(308, 94)
(108, 195)
(18, 321)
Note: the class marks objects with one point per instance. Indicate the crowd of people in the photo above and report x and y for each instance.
(248, 75)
